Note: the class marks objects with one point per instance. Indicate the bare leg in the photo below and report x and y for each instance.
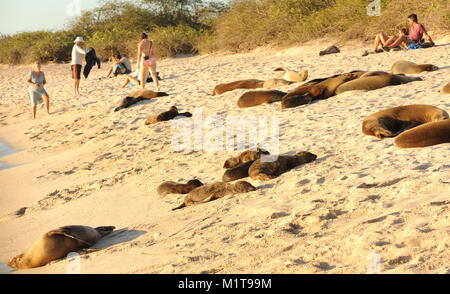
(154, 75)
(34, 111)
(397, 42)
(76, 87)
(127, 81)
(47, 103)
(380, 39)
(390, 41)
(143, 72)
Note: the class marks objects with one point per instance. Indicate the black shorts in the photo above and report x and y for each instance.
(76, 71)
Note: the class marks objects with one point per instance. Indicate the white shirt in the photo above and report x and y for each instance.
(77, 54)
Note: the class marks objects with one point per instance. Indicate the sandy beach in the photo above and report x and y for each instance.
(362, 200)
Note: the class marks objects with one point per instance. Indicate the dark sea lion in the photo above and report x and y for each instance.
(276, 83)
(245, 156)
(254, 98)
(330, 50)
(390, 122)
(165, 116)
(295, 101)
(406, 67)
(291, 76)
(375, 82)
(242, 84)
(263, 171)
(425, 135)
(214, 191)
(57, 244)
(137, 96)
(170, 187)
(446, 89)
(237, 172)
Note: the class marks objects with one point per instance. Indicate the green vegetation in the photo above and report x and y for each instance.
(192, 26)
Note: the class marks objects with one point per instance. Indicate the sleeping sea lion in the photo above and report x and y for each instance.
(137, 96)
(237, 172)
(295, 101)
(245, 156)
(165, 116)
(263, 171)
(214, 191)
(254, 98)
(57, 244)
(375, 82)
(170, 187)
(390, 122)
(330, 50)
(276, 83)
(428, 134)
(291, 76)
(242, 84)
(406, 67)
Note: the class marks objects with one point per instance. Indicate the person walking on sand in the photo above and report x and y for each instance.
(76, 64)
(36, 81)
(146, 60)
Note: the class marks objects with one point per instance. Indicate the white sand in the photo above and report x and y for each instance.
(91, 166)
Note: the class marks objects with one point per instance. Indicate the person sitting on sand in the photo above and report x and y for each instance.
(391, 42)
(135, 78)
(121, 66)
(37, 80)
(417, 31)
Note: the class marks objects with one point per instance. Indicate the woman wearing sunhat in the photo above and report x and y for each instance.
(77, 60)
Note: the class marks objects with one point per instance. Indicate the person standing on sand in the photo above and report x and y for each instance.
(77, 61)
(146, 60)
(36, 80)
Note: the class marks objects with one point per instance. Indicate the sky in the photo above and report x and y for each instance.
(32, 15)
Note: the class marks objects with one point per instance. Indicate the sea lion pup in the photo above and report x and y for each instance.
(322, 90)
(175, 188)
(214, 191)
(254, 98)
(291, 76)
(406, 67)
(57, 244)
(165, 116)
(390, 122)
(263, 171)
(137, 96)
(375, 82)
(276, 83)
(428, 134)
(446, 89)
(237, 172)
(248, 155)
(242, 84)
(330, 50)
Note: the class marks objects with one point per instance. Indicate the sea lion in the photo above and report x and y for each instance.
(295, 101)
(263, 171)
(406, 67)
(237, 172)
(276, 83)
(446, 89)
(165, 116)
(330, 50)
(245, 156)
(175, 188)
(429, 134)
(322, 90)
(390, 122)
(242, 84)
(214, 191)
(254, 98)
(375, 82)
(137, 96)
(57, 244)
(373, 74)
(291, 76)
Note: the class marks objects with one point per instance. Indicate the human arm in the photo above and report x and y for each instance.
(110, 71)
(29, 82)
(152, 50)
(428, 37)
(139, 56)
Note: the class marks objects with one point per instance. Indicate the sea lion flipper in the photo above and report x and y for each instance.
(68, 234)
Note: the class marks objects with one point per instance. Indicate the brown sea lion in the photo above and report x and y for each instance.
(263, 171)
(137, 96)
(295, 101)
(330, 50)
(170, 187)
(276, 83)
(375, 82)
(165, 116)
(242, 84)
(324, 89)
(373, 74)
(237, 172)
(406, 67)
(291, 76)
(390, 122)
(254, 98)
(245, 156)
(429, 134)
(214, 191)
(446, 89)
(57, 244)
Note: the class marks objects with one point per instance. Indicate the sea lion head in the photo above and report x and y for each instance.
(431, 67)
(103, 231)
(242, 187)
(308, 156)
(174, 108)
(194, 183)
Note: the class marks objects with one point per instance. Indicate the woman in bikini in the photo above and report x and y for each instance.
(390, 42)
(146, 60)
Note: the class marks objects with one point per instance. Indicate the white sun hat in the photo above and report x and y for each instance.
(79, 39)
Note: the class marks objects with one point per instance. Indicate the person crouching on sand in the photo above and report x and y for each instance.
(37, 80)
